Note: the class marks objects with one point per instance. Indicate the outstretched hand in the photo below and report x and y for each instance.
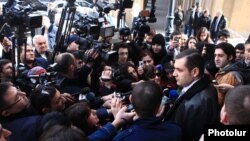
(122, 117)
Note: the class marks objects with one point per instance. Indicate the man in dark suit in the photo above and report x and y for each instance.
(197, 104)
(219, 22)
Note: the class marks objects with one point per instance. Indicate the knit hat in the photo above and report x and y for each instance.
(36, 71)
(72, 38)
(158, 39)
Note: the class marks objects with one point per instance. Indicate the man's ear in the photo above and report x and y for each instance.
(195, 72)
(130, 98)
(5, 113)
(230, 57)
(224, 116)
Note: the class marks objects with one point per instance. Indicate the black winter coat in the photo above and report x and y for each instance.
(197, 107)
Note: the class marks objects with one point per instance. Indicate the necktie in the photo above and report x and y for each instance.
(216, 24)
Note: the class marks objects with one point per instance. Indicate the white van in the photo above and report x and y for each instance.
(2, 2)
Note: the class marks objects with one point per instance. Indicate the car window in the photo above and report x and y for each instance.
(60, 5)
(83, 4)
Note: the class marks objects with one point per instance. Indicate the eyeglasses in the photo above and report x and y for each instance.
(17, 99)
(155, 74)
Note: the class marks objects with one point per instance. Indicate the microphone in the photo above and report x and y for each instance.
(85, 93)
(173, 95)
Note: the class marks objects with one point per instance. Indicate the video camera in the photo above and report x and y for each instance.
(87, 25)
(125, 31)
(21, 14)
(140, 27)
(119, 4)
(104, 51)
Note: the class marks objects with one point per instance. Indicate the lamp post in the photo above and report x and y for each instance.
(170, 21)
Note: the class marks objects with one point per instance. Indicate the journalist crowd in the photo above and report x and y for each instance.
(137, 88)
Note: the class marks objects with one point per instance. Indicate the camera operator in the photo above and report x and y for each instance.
(5, 44)
(72, 43)
(69, 79)
(27, 64)
(30, 61)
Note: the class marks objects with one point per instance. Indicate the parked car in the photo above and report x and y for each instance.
(84, 3)
(2, 2)
(59, 5)
(45, 2)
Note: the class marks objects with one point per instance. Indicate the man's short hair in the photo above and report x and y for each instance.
(3, 62)
(78, 114)
(175, 33)
(146, 98)
(224, 33)
(193, 59)
(22, 48)
(41, 97)
(54, 118)
(228, 49)
(4, 86)
(240, 46)
(121, 45)
(64, 60)
(36, 37)
(63, 133)
(237, 105)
